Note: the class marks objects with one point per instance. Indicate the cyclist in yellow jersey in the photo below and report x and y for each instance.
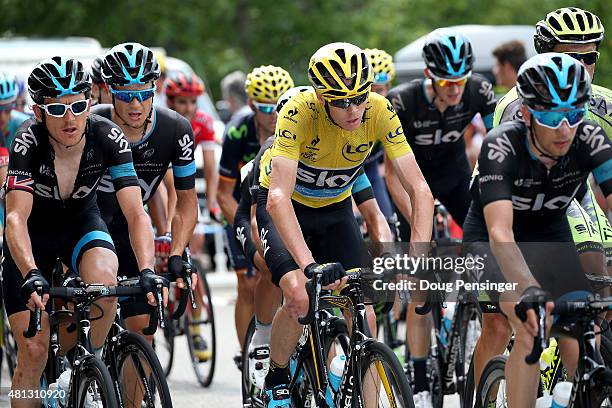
(578, 33)
(322, 139)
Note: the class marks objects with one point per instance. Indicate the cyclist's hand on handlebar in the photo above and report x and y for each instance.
(333, 274)
(149, 283)
(35, 280)
(177, 267)
(527, 306)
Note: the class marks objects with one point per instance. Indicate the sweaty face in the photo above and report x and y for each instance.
(555, 142)
(578, 48)
(69, 128)
(184, 105)
(134, 113)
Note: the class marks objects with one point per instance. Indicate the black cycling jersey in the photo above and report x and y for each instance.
(507, 170)
(170, 141)
(240, 145)
(32, 168)
(437, 138)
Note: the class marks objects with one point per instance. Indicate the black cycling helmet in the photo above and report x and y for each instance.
(553, 81)
(58, 76)
(448, 54)
(96, 71)
(129, 64)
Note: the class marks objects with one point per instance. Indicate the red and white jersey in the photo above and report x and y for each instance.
(203, 130)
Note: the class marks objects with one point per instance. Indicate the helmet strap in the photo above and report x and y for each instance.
(535, 143)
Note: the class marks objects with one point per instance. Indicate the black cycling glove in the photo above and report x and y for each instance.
(33, 280)
(176, 265)
(331, 272)
(532, 298)
(149, 281)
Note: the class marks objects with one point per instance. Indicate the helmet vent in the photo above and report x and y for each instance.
(341, 54)
(555, 24)
(580, 20)
(568, 21)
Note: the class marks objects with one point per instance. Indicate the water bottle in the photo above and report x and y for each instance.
(561, 394)
(544, 401)
(61, 388)
(335, 376)
(447, 322)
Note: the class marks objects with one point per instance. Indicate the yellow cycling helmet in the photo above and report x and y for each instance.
(568, 25)
(382, 63)
(340, 70)
(267, 83)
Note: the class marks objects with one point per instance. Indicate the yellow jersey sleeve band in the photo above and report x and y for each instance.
(329, 157)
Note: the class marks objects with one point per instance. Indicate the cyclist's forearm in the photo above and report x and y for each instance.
(158, 210)
(378, 228)
(184, 221)
(398, 194)
(228, 205)
(18, 241)
(141, 239)
(511, 260)
(288, 227)
(211, 176)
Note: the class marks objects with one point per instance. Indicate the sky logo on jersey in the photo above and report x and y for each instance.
(324, 183)
(20, 183)
(23, 143)
(592, 135)
(356, 154)
(500, 148)
(117, 135)
(186, 151)
(539, 202)
(437, 138)
(395, 137)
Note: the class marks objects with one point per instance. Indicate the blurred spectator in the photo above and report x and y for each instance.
(510, 56)
(232, 88)
(160, 95)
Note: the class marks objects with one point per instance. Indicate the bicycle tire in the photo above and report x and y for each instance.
(164, 338)
(465, 381)
(9, 346)
(377, 351)
(93, 368)
(493, 374)
(204, 371)
(156, 386)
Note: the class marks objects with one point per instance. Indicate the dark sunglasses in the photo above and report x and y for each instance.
(128, 96)
(346, 102)
(587, 58)
(59, 109)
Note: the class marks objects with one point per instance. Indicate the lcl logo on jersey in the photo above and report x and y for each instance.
(394, 136)
(437, 138)
(356, 154)
(23, 143)
(540, 202)
(117, 135)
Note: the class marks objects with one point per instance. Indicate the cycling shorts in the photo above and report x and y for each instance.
(331, 233)
(66, 239)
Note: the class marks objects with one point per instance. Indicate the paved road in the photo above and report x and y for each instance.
(225, 389)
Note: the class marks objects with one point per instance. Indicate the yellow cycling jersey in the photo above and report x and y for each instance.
(329, 157)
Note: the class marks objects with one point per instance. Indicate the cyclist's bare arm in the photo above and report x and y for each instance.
(211, 176)
(169, 183)
(18, 209)
(139, 225)
(422, 201)
(398, 194)
(184, 220)
(282, 184)
(158, 209)
(226, 199)
(499, 217)
(378, 228)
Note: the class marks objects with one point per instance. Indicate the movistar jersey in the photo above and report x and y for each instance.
(600, 108)
(240, 145)
(329, 157)
(170, 140)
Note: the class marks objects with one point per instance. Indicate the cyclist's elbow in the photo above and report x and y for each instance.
(276, 198)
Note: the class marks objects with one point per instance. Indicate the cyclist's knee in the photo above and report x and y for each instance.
(495, 329)
(34, 352)
(137, 323)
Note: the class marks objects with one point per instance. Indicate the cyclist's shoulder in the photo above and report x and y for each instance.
(508, 107)
(202, 118)
(17, 117)
(167, 118)
(402, 95)
(507, 133)
(600, 108)
(240, 126)
(104, 110)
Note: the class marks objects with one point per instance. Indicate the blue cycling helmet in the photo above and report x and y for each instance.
(129, 64)
(58, 76)
(448, 54)
(553, 81)
(9, 88)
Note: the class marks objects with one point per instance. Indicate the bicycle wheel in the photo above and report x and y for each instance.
(201, 336)
(250, 393)
(492, 385)
(471, 326)
(467, 397)
(163, 342)
(383, 382)
(94, 386)
(9, 345)
(140, 377)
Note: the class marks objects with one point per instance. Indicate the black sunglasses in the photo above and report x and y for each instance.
(587, 58)
(346, 102)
